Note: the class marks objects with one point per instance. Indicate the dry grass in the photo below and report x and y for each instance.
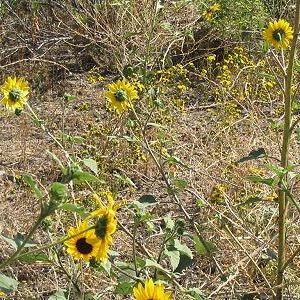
(54, 49)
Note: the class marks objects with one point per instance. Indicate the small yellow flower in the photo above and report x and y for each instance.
(82, 243)
(181, 88)
(279, 34)
(150, 291)
(211, 11)
(15, 91)
(211, 58)
(139, 86)
(120, 95)
(2, 295)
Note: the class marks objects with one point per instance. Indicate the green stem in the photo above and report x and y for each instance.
(285, 157)
(135, 227)
(170, 189)
(38, 120)
(20, 248)
(51, 244)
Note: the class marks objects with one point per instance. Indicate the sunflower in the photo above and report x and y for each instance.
(106, 224)
(82, 243)
(120, 94)
(150, 291)
(15, 91)
(279, 34)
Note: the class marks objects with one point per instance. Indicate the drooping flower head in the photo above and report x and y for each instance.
(150, 291)
(279, 34)
(106, 224)
(120, 95)
(15, 91)
(83, 242)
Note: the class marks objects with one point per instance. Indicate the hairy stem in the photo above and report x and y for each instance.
(285, 157)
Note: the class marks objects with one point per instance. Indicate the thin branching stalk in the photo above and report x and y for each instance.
(172, 193)
(285, 157)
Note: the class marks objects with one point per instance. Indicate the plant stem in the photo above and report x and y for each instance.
(135, 227)
(42, 126)
(17, 256)
(285, 157)
(20, 248)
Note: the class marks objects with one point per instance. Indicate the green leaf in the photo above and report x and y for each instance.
(59, 191)
(106, 265)
(128, 70)
(268, 181)
(144, 201)
(297, 66)
(69, 98)
(17, 241)
(91, 164)
(153, 264)
(124, 179)
(265, 47)
(183, 248)
(8, 284)
(280, 171)
(72, 138)
(59, 295)
(174, 256)
(81, 177)
(169, 223)
(33, 185)
(173, 160)
(124, 288)
(127, 35)
(181, 184)
(129, 138)
(255, 154)
(196, 293)
(202, 249)
(147, 199)
(184, 263)
(56, 159)
(33, 257)
(140, 262)
(74, 208)
(251, 200)
(156, 125)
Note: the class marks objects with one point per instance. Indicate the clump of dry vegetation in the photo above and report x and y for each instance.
(149, 149)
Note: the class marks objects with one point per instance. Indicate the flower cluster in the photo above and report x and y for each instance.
(211, 11)
(176, 75)
(92, 238)
(94, 76)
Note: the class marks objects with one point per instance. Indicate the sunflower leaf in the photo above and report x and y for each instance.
(91, 164)
(33, 257)
(33, 185)
(8, 284)
(124, 288)
(59, 295)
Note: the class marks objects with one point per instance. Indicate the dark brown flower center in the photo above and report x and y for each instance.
(101, 227)
(83, 247)
(278, 35)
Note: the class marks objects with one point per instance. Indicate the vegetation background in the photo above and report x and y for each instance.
(194, 161)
